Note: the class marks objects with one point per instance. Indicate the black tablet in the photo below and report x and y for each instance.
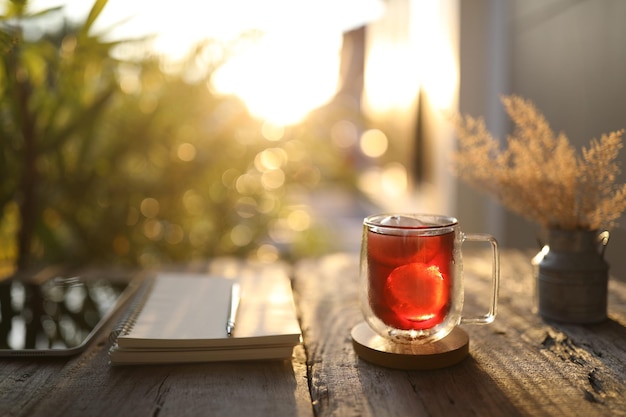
(57, 317)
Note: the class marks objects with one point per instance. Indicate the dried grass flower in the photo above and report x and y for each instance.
(539, 175)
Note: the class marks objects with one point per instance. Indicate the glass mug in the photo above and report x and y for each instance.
(412, 276)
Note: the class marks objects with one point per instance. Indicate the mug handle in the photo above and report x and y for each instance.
(495, 278)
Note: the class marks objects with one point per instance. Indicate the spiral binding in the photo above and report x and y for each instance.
(127, 322)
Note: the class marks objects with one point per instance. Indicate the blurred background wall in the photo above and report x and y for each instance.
(569, 58)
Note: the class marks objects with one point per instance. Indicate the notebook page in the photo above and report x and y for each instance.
(189, 311)
(182, 307)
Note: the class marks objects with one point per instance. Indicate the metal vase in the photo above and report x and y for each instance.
(572, 277)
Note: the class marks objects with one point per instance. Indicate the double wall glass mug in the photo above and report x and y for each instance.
(412, 276)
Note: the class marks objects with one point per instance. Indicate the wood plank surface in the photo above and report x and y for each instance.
(88, 386)
(518, 366)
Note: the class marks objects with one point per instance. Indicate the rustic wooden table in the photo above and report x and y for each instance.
(518, 366)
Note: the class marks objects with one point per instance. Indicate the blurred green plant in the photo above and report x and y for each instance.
(113, 161)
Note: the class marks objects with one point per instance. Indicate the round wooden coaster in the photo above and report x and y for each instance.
(373, 348)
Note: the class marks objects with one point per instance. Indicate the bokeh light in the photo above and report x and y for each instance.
(150, 207)
(344, 134)
(241, 235)
(374, 143)
(272, 132)
(382, 183)
(184, 172)
(186, 152)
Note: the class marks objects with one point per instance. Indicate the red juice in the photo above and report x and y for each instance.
(410, 278)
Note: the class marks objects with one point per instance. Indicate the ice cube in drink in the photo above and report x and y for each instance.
(410, 278)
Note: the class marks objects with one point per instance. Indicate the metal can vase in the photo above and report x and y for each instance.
(572, 277)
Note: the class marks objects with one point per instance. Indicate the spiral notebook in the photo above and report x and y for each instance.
(183, 318)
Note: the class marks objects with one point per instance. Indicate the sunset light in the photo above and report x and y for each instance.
(289, 70)
(282, 77)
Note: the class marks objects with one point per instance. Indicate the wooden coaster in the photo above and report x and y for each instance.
(373, 348)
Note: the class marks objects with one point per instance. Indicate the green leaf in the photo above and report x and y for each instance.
(82, 119)
(44, 12)
(93, 15)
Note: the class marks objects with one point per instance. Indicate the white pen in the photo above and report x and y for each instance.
(234, 305)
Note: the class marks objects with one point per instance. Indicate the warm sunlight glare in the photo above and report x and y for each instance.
(440, 75)
(392, 76)
(284, 76)
(417, 55)
(288, 72)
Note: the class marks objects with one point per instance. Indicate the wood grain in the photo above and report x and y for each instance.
(88, 386)
(519, 365)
